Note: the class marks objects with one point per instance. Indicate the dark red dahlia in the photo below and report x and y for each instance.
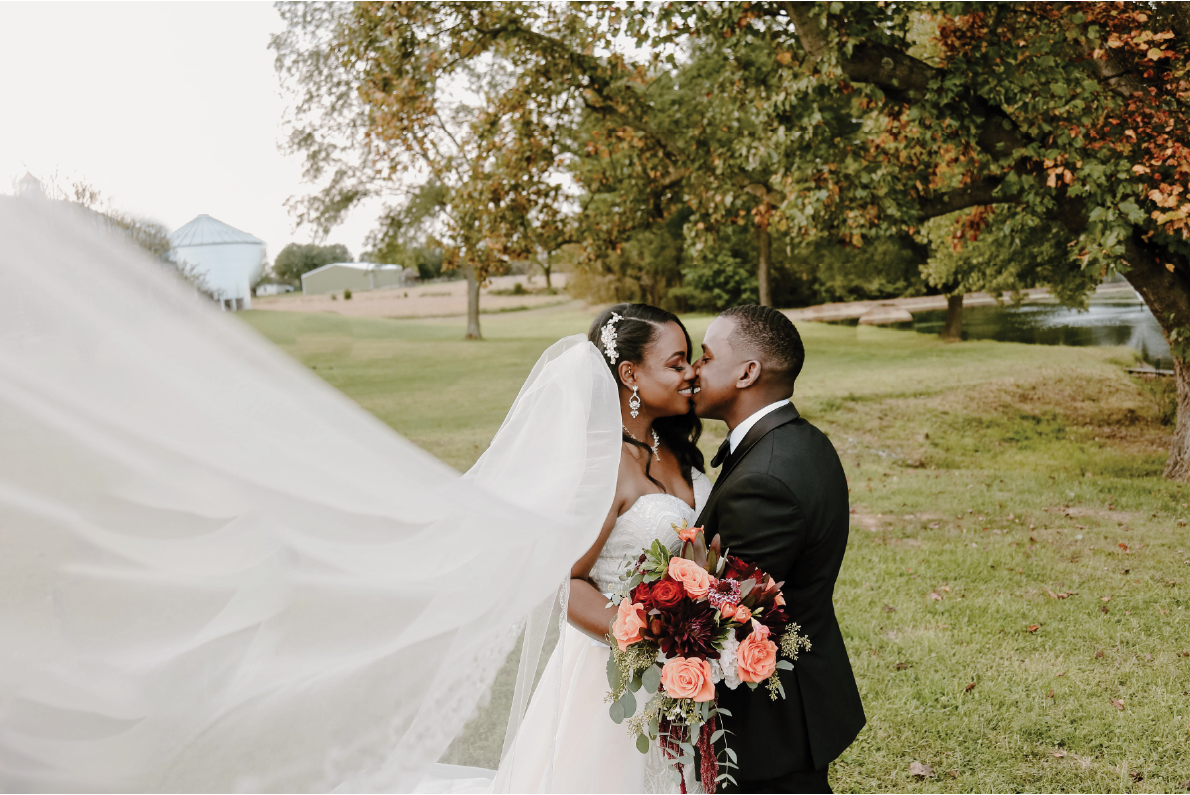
(688, 630)
(774, 618)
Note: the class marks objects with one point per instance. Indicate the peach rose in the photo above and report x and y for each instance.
(684, 677)
(756, 658)
(688, 533)
(694, 578)
(630, 620)
(737, 613)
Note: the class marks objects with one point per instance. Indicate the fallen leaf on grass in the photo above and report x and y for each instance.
(1185, 785)
(1051, 694)
(1062, 595)
(1122, 546)
(937, 597)
(1103, 609)
(1059, 754)
(889, 609)
(953, 773)
(1118, 703)
(1137, 776)
(901, 666)
(1098, 653)
(1105, 598)
(970, 687)
(920, 770)
(1033, 628)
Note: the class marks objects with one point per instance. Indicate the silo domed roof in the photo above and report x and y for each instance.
(207, 231)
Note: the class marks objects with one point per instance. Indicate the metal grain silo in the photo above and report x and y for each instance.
(228, 259)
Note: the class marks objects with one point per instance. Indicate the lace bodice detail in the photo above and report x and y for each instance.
(649, 518)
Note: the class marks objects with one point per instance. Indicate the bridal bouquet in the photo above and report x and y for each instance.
(685, 625)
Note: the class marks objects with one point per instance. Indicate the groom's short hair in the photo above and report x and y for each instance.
(769, 335)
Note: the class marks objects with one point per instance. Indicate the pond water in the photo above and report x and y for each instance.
(1118, 317)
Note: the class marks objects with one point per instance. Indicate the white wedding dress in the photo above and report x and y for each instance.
(569, 743)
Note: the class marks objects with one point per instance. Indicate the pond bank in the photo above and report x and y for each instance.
(853, 310)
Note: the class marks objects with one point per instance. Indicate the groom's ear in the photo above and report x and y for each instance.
(748, 375)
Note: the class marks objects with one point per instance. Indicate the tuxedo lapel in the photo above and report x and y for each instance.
(774, 419)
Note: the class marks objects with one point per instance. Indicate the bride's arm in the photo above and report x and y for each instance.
(587, 607)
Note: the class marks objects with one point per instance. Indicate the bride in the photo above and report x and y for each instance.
(219, 573)
(573, 746)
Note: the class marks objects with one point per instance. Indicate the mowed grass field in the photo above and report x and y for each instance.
(1015, 592)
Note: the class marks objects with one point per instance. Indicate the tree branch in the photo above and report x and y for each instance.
(902, 77)
(977, 194)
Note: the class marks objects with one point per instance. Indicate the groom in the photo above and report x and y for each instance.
(780, 503)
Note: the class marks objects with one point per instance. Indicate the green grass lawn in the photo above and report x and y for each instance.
(1015, 590)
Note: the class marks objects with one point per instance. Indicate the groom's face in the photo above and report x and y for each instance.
(718, 371)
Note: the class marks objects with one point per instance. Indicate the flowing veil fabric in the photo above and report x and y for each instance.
(219, 573)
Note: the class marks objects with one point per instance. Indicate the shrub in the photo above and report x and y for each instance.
(716, 282)
(346, 295)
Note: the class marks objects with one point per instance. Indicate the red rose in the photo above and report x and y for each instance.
(667, 594)
(643, 593)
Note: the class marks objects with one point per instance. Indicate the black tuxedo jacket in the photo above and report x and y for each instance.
(781, 503)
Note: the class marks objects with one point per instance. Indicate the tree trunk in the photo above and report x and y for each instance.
(952, 329)
(1166, 289)
(1178, 466)
(547, 267)
(472, 304)
(764, 243)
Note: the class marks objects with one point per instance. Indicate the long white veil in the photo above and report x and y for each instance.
(219, 573)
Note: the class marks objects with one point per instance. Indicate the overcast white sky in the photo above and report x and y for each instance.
(170, 109)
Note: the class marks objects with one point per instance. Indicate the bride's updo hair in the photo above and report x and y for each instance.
(635, 332)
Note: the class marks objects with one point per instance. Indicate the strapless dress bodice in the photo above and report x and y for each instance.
(650, 518)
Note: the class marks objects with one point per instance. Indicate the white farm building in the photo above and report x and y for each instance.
(228, 260)
(354, 276)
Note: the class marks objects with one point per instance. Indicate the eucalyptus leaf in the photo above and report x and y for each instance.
(634, 684)
(730, 754)
(784, 665)
(613, 672)
(616, 710)
(651, 679)
(642, 743)
(628, 702)
(717, 736)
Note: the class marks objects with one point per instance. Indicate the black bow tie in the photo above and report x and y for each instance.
(724, 452)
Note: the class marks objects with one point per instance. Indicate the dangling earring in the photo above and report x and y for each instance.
(634, 403)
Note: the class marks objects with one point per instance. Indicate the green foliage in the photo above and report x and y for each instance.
(298, 258)
(882, 268)
(717, 281)
(1012, 252)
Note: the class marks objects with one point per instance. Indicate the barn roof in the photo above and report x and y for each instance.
(207, 231)
(359, 266)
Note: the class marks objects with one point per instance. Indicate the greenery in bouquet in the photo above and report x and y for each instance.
(685, 624)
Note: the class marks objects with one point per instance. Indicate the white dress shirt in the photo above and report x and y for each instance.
(740, 431)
